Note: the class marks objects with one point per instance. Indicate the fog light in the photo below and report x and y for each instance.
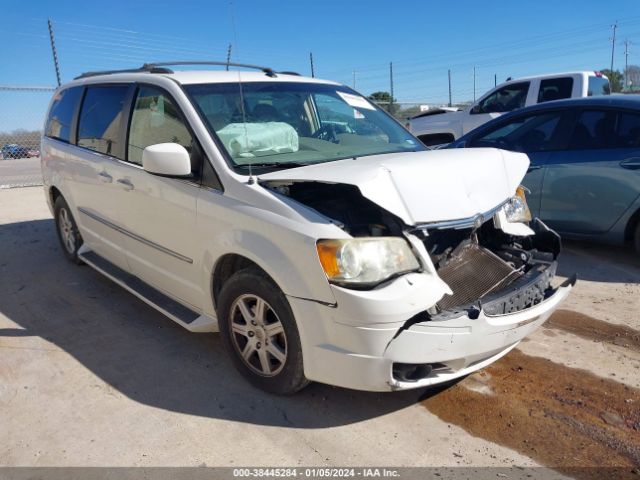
(411, 372)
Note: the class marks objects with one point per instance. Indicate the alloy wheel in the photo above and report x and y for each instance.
(258, 335)
(67, 232)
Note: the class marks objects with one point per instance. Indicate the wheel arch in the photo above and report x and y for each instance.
(632, 225)
(229, 264)
(288, 259)
(54, 193)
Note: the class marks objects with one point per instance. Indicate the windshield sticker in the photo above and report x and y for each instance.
(357, 113)
(356, 101)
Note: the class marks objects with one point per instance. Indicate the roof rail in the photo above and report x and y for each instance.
(267, 70)
(160, 67)
(142, 69)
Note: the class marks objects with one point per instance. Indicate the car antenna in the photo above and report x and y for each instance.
(251, 180)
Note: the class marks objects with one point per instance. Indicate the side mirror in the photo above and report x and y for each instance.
(476, 109)
(168, 159)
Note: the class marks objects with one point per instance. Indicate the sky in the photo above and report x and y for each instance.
(350, 41)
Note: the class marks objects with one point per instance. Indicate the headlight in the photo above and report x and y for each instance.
(516, 209)
(365, 260)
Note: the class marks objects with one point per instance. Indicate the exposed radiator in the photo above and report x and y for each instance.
(472, 274)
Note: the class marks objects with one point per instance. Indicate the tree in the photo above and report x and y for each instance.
(632, 78)
(615, 79)
(380, 97)
(384, 98)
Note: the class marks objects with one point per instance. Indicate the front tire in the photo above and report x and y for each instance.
(67, 229)
(636, 238)
(260, 333)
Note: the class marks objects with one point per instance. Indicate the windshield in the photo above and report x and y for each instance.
(287, 124)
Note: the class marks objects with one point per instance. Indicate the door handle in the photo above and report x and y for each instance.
(126, 184)
(533, 167)
(631, 163)
(105, 177)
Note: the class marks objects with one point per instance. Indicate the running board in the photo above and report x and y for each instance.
(177, 312)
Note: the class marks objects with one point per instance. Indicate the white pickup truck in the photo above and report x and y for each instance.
(436, 127)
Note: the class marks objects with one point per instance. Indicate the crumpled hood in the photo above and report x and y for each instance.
(423, 187)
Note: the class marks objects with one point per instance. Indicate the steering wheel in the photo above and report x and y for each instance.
(327, 133)
(502, 144)
(493, 143)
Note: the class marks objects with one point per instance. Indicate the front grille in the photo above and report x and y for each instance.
(472, 274)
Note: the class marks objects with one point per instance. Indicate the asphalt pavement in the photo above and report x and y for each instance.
(21, 172)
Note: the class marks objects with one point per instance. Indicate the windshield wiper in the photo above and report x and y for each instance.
(273, 164)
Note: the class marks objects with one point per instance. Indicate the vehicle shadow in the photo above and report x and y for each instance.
(599, 263)
(144, 355)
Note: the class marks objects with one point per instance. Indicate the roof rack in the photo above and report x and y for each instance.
(267, 70)
(160, 67)
(142, 69)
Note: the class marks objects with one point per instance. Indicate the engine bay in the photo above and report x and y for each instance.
(482, 265)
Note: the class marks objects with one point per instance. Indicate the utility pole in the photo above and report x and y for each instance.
(613, 44)
(449, 74)
(495, 79)
(626, 63)
(313, 73)
(474, 83)
(53, 50)
(228, 56)
(391, 85)
(354, 79)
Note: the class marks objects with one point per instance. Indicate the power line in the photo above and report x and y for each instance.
(538, 40)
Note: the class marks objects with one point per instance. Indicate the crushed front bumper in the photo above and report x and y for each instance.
(340, 349)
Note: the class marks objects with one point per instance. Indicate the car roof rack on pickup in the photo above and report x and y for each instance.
(161, 67)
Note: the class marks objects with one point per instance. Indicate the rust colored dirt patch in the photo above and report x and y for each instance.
(593, 329)
(561, 417)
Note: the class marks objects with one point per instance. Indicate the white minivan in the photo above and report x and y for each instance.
(300, 221)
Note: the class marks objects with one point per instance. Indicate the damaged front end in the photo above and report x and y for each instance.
(482, 267)
(488, 269)
(438, 269)
(482, 285)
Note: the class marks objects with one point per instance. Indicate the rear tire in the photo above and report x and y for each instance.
(260, 334)
(67, 229)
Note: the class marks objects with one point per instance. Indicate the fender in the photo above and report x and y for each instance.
(303, 278)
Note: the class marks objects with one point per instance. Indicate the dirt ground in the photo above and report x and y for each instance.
(91, 376)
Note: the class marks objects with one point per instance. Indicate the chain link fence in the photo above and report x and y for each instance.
(403, 111)
(22, 111)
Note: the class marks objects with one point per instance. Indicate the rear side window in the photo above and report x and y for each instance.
(101, 118)
(628, 131)
(594, 129)
(598, 86)
(555, 89)
(61, 114)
